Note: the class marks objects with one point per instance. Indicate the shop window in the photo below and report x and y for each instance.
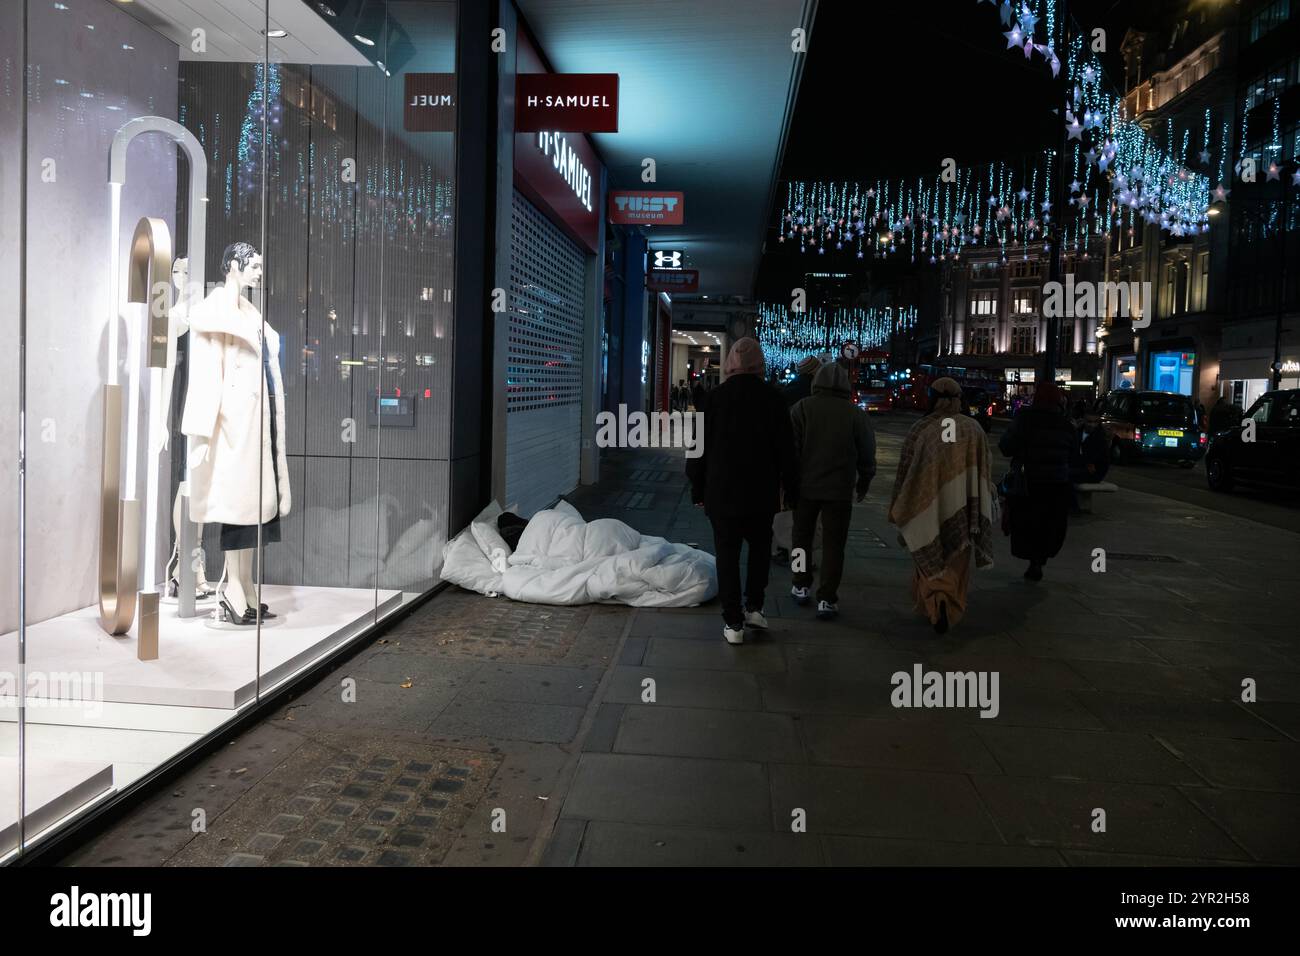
(1172, 372)
(251, 230)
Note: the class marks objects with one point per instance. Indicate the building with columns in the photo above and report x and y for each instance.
(993, 325)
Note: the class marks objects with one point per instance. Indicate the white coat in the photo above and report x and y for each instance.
(221, 405)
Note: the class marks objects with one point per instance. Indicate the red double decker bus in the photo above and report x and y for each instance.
(871, 383)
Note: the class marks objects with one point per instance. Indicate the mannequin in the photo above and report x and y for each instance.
(177, 325)
(239, 474)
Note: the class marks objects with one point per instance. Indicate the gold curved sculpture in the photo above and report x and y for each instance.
(151, 254)
(119, 520)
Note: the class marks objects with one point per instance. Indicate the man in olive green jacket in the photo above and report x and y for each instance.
(837, 460)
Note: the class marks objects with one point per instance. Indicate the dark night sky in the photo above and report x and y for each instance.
(891, 89)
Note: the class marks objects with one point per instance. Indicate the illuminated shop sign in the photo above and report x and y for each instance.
(568, 102)
(566, 161)
(633, 207)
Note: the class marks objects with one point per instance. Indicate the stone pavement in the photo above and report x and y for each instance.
(1119, 691)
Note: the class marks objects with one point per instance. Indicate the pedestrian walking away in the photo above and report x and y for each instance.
(837, 460)
(1039, 442)
(748, 462)
(1224, 415)
(802, 386)
(697, 395)
(1089, 455)
(942, 505)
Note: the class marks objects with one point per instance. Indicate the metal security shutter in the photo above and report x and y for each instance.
(544, 367)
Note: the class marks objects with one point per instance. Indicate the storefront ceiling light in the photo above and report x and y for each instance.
(276, 34)
(360, 39)
(326, 9)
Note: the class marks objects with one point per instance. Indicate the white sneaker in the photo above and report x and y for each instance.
(733, 635)
(800, 596)
(827, 611)
(755, 619)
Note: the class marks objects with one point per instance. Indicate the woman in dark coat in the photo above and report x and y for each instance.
(1039, 441)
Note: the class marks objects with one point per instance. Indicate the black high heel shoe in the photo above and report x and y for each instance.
(227, 614)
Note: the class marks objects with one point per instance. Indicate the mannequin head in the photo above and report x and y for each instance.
(180, 273)
(241, 264)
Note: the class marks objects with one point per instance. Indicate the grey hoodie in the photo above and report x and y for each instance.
(833, 438)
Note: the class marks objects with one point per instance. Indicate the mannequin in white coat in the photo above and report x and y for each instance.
(177, 325)
(234, 416)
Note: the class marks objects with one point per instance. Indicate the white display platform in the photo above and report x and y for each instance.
(199, 665)
(55, 788)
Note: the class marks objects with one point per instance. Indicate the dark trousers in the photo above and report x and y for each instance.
(835, 516)
(729, 532)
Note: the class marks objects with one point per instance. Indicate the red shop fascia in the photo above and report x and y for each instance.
(560, 173)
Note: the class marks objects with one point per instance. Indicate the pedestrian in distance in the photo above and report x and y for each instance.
(837, 460)
(1089, 455)
(697, 395)
(748, 461)
(942, 505)
(801, 387)
(1224, 415)
(1039, 443)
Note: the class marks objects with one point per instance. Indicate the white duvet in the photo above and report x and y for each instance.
(562, 559)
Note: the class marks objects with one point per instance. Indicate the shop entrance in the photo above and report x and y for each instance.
(1172, 372)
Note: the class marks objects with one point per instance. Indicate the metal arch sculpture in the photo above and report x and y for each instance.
(150, 256)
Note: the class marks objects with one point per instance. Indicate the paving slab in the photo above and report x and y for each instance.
(875, 851)
(1266, 824)
(1139, 818)
(682, 687)
(893, 803)
(1175, 715)
(621, 844)
(1085, 755)
(670, 791)
(875, 742)
(721, 734)
(1240, 764)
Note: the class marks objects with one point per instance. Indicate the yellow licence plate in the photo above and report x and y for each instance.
(1169, 433)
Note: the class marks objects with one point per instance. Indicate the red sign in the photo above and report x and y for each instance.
(430, 104)
(566, 102)
(646, 207)
(673, 280)
(560, 173)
